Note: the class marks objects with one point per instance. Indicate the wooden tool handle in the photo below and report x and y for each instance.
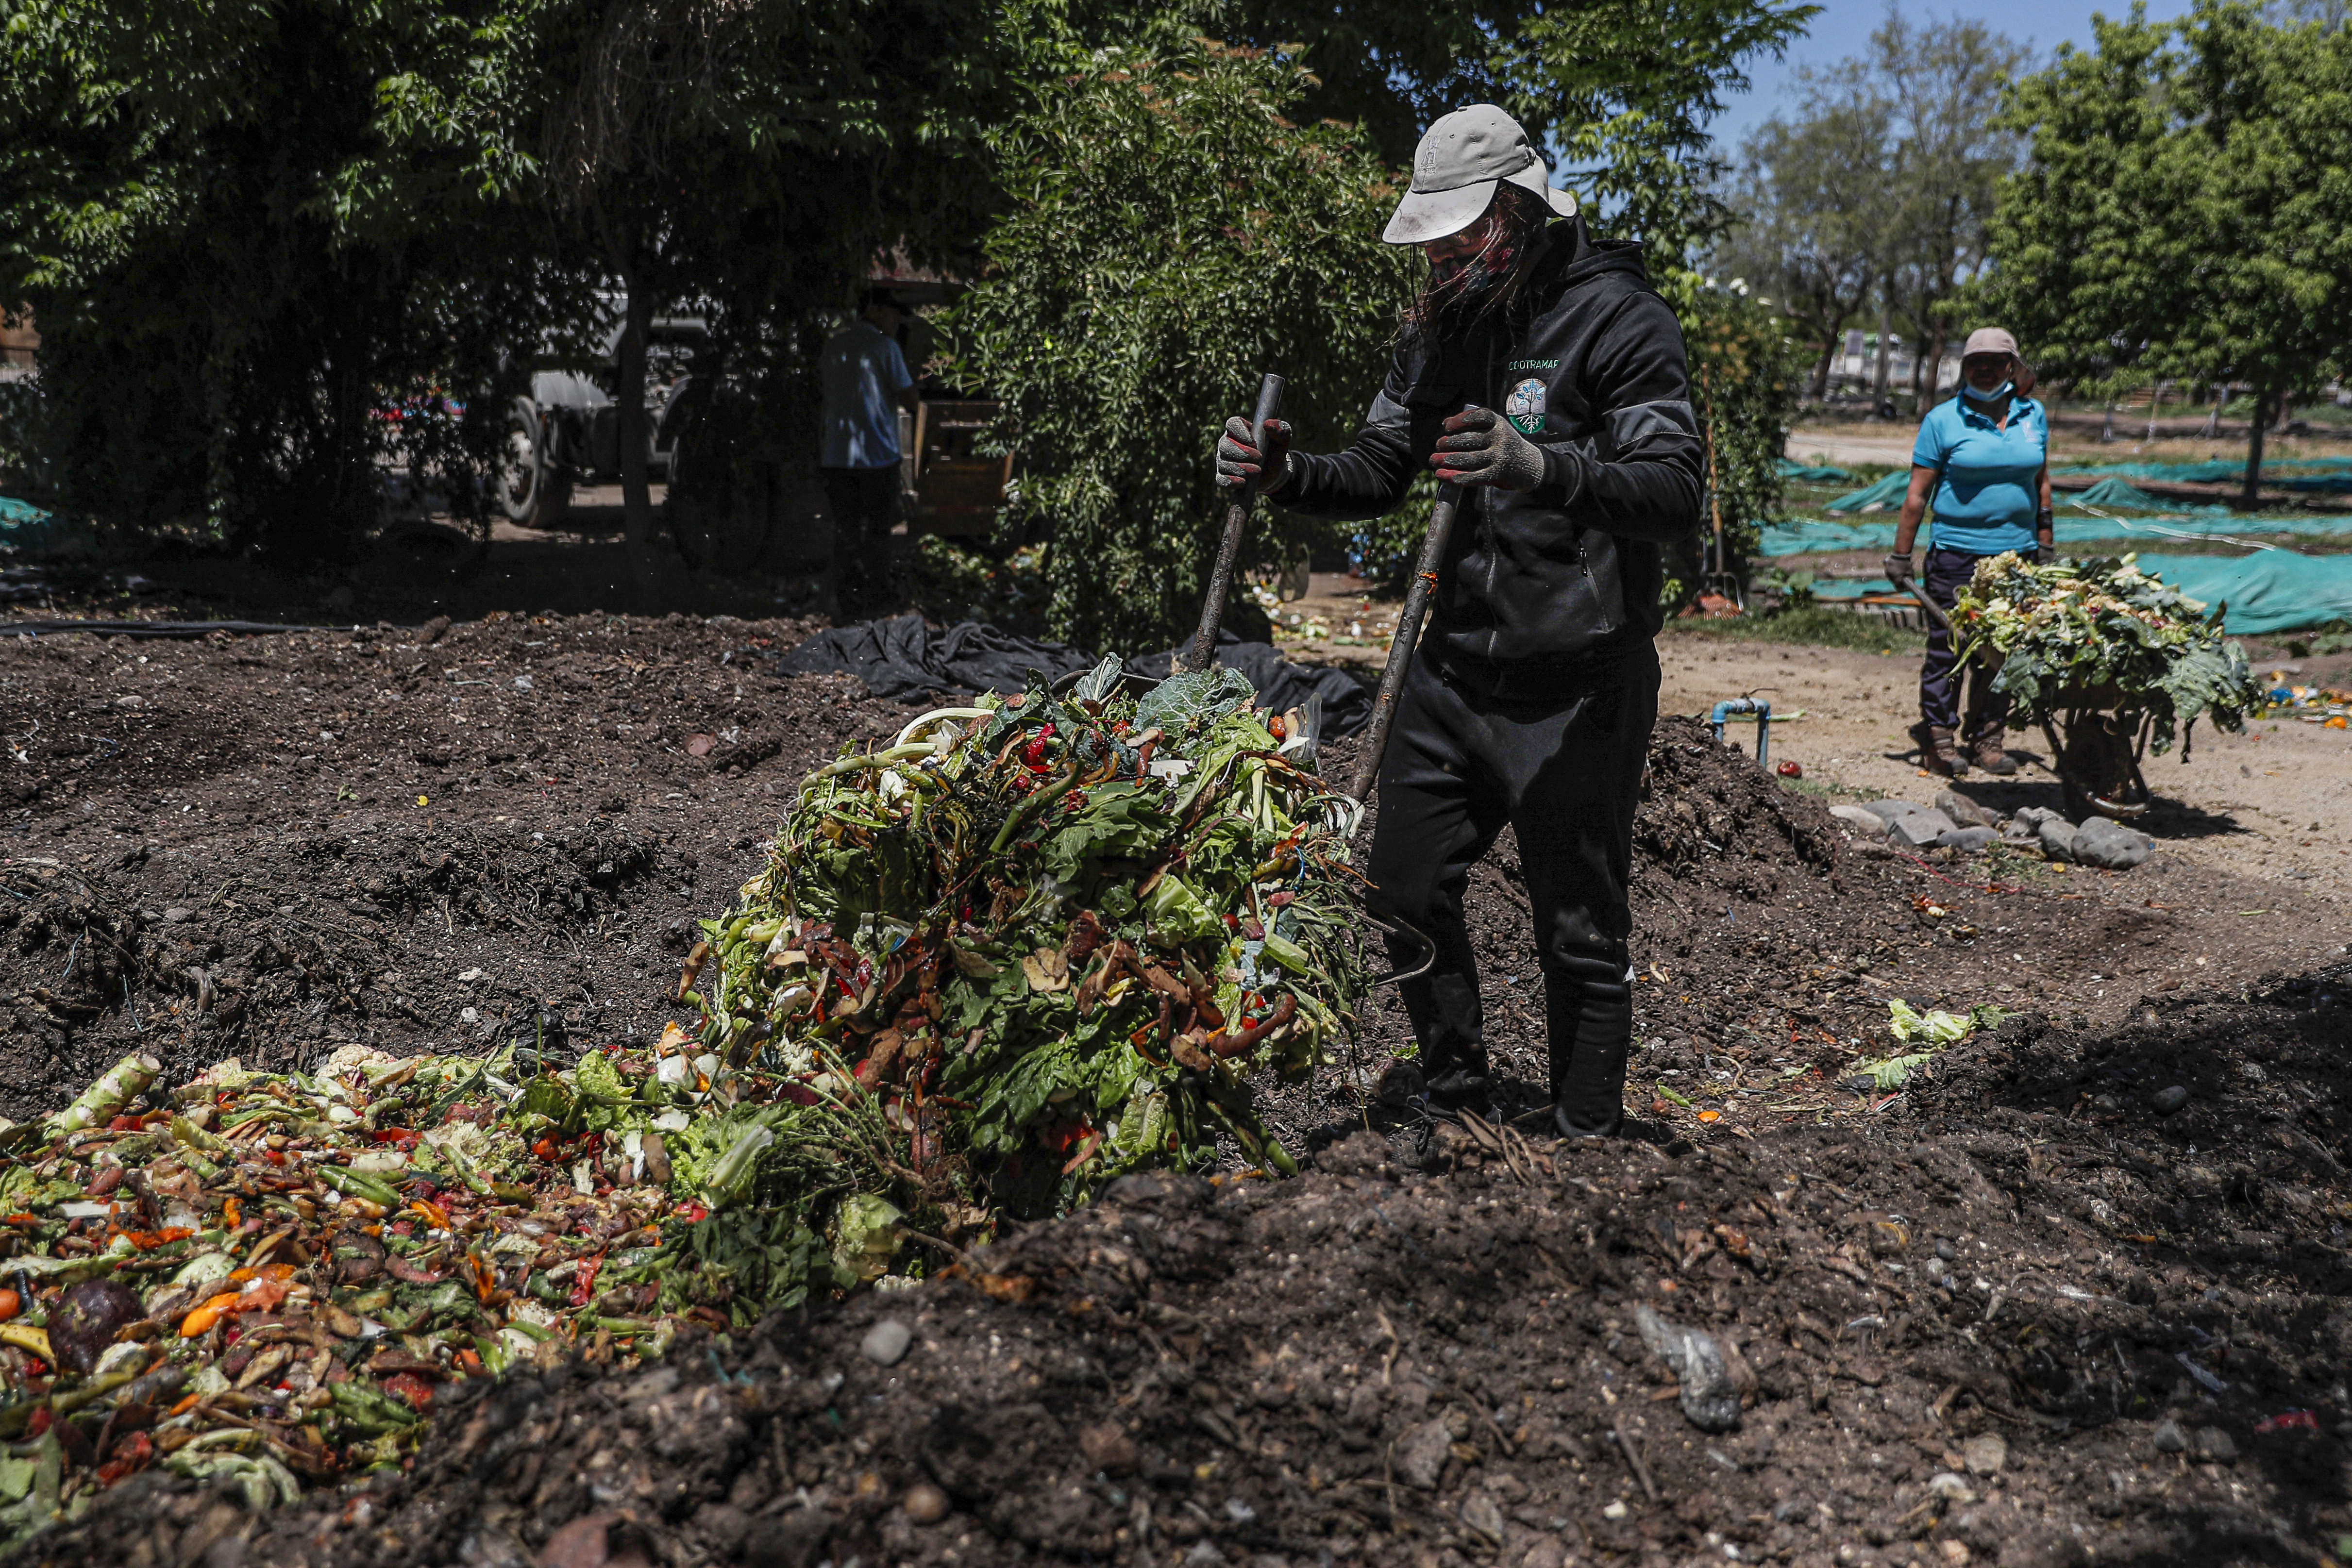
(1229, 548)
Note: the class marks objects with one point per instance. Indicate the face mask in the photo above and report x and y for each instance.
(1468, 278)
(1995, 395)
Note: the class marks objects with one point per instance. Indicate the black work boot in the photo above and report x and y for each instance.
(1590, 1040)
(1463, 1086)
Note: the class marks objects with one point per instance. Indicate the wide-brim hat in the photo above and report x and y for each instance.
(1455, 169)
(1990, 340)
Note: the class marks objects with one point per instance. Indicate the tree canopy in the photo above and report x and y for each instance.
(257, 237)
(253, 234)
(2186, 210)
(1140, 282)
(1880, 185)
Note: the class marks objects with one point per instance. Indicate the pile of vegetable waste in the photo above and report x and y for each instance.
(2107, 631)
(1028, 948)
(1049, 938)
(271, 1276)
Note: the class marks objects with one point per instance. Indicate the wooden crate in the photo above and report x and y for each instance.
(957, 490)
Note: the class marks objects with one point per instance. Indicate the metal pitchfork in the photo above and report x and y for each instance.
(1213, 613)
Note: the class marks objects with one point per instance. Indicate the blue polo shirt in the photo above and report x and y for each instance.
(862, 373)
(1986, 493)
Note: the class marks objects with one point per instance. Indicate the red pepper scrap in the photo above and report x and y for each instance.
(584, 1285)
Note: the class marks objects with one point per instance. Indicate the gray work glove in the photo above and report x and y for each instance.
(1898, 569)
(1479, 447)
(1239, 462)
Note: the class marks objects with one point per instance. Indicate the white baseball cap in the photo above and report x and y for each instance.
(1455, 169)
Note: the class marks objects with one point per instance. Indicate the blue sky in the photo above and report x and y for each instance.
(1844, 26)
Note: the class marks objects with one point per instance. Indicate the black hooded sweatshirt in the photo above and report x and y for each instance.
(1541, 588)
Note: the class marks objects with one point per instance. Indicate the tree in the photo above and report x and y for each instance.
(1169, 234)
(2186, 209)
(757, 156)
(251, 232)
(1879, 184)
(1625, 90)
(1607, 72)
(236, 287)
(1813, 198)
(1944, 81)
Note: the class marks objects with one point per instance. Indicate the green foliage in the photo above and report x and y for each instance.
(1625, 90)
(1810, 205)
(1070, 978)
(1169, 236)
(1745, 369)
(201, 209)
(951, 581)
(253, 236)
(2186, 210)
(1880, 185)
(2103, 626)
(1815, 625)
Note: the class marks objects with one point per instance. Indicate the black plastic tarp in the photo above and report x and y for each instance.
(903, 658)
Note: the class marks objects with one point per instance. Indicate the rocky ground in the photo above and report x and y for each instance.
(1427, 1351)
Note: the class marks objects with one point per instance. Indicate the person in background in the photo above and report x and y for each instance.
(1983, 457)
(866, 382)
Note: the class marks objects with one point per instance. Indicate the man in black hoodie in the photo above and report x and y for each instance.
(1539, 371)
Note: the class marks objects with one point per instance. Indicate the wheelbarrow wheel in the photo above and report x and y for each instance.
(2098, 764)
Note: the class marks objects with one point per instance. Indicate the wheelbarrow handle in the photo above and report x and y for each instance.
(1927, 606)
(1229, 548)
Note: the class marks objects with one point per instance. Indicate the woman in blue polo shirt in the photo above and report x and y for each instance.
(1983, 457)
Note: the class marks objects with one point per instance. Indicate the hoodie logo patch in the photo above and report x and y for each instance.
(1525, 407)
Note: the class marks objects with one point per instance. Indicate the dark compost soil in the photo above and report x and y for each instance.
(271, 846)
(1426, 1350)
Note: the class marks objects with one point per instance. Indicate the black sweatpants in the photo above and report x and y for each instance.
(864, 503)
(1564, 772)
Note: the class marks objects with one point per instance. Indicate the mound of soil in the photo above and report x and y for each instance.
(1975, 1329)
(436, 838)
(272, 846)
(1767, 945)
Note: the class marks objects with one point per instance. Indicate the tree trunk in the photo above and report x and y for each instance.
(636, 488)
(2254, 449)
(1822, 371)
(1886, 366)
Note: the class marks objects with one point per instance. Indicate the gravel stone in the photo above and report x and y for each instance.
(886, 1343)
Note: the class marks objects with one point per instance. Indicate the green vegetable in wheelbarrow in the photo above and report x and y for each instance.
(2070, 629)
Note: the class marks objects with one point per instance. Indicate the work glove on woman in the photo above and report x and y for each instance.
(1239, 462)
(1898, 569)
(1480, 447)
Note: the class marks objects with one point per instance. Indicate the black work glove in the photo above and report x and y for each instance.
(1898, 569)
(1480, 447)
(1239, 462)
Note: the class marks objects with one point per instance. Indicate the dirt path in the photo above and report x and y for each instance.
(2272, 804)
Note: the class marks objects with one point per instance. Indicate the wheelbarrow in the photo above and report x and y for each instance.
(2095, 743)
